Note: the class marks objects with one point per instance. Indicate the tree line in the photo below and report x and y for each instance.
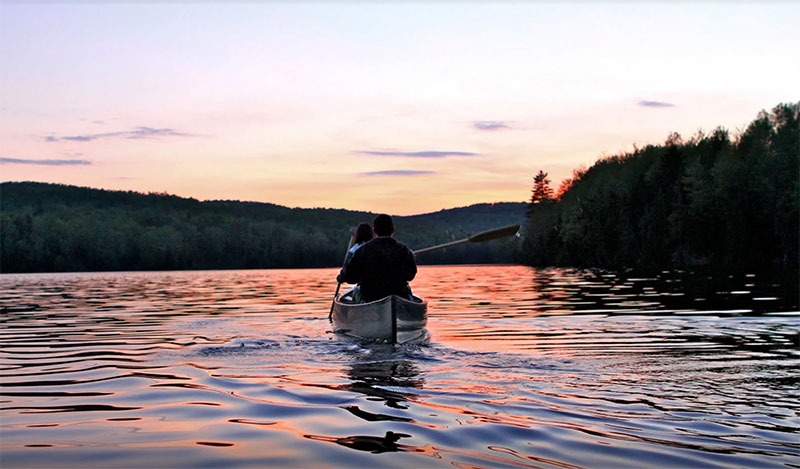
(61, 228)
(714, 200)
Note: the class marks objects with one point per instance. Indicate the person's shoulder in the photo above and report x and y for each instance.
(366, 246)
(371, 243)
(401, 245)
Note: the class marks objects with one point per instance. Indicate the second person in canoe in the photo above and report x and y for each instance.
(382, 266)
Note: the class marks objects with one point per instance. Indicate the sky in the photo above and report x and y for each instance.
(396, 107)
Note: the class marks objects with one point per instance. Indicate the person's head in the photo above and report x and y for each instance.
(384, 226)
(363, 233)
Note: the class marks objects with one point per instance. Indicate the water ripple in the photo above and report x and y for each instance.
(524, 368)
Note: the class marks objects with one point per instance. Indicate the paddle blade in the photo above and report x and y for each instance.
(496, 233)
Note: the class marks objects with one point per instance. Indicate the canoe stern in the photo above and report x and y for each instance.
(391, 319)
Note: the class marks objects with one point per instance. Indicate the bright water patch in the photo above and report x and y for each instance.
(523, 368)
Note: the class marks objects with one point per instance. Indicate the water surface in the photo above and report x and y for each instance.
(523, 368)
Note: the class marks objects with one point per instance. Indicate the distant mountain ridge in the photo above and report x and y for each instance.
(54, 227)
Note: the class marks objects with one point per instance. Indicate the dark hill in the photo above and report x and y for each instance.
(54, 227)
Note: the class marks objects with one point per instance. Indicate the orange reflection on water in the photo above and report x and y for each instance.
(486, 308)
(525, 367)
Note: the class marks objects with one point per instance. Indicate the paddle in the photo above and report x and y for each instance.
(338, 284)
(496, 233)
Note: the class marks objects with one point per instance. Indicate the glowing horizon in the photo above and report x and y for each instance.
(395, 108)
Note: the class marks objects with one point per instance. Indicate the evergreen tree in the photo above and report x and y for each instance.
(540, 226)
(541, 189)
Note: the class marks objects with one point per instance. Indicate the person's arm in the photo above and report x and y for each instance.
(342, 273)
(411, 266)
(350, 273)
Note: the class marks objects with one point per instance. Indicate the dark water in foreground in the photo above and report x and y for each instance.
(524, 368)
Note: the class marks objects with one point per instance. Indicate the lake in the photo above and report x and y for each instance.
(524, 367)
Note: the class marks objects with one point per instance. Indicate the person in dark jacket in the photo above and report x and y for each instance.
(381, 267)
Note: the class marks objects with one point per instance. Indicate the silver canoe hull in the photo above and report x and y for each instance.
(391, 319)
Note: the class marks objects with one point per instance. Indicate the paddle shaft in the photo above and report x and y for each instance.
(476, 238)
(442, 246)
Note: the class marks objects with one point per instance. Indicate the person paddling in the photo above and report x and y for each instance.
(382, 266)
(363, 234)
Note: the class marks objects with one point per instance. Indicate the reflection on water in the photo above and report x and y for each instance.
(377, 378)
(373, 444)
(524, 368)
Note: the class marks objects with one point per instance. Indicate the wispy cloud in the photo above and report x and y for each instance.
(397, 172)
(44, 162)
(93, 121)
(418, 154)
(136, 133)
(491, 125)
(655, 104)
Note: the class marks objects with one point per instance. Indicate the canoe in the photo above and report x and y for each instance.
(391, 319)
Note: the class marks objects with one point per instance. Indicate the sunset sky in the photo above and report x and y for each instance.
(385, 106)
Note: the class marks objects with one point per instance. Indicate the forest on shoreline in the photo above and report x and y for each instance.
(713, 201)
(61, 228)
(717, 201)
